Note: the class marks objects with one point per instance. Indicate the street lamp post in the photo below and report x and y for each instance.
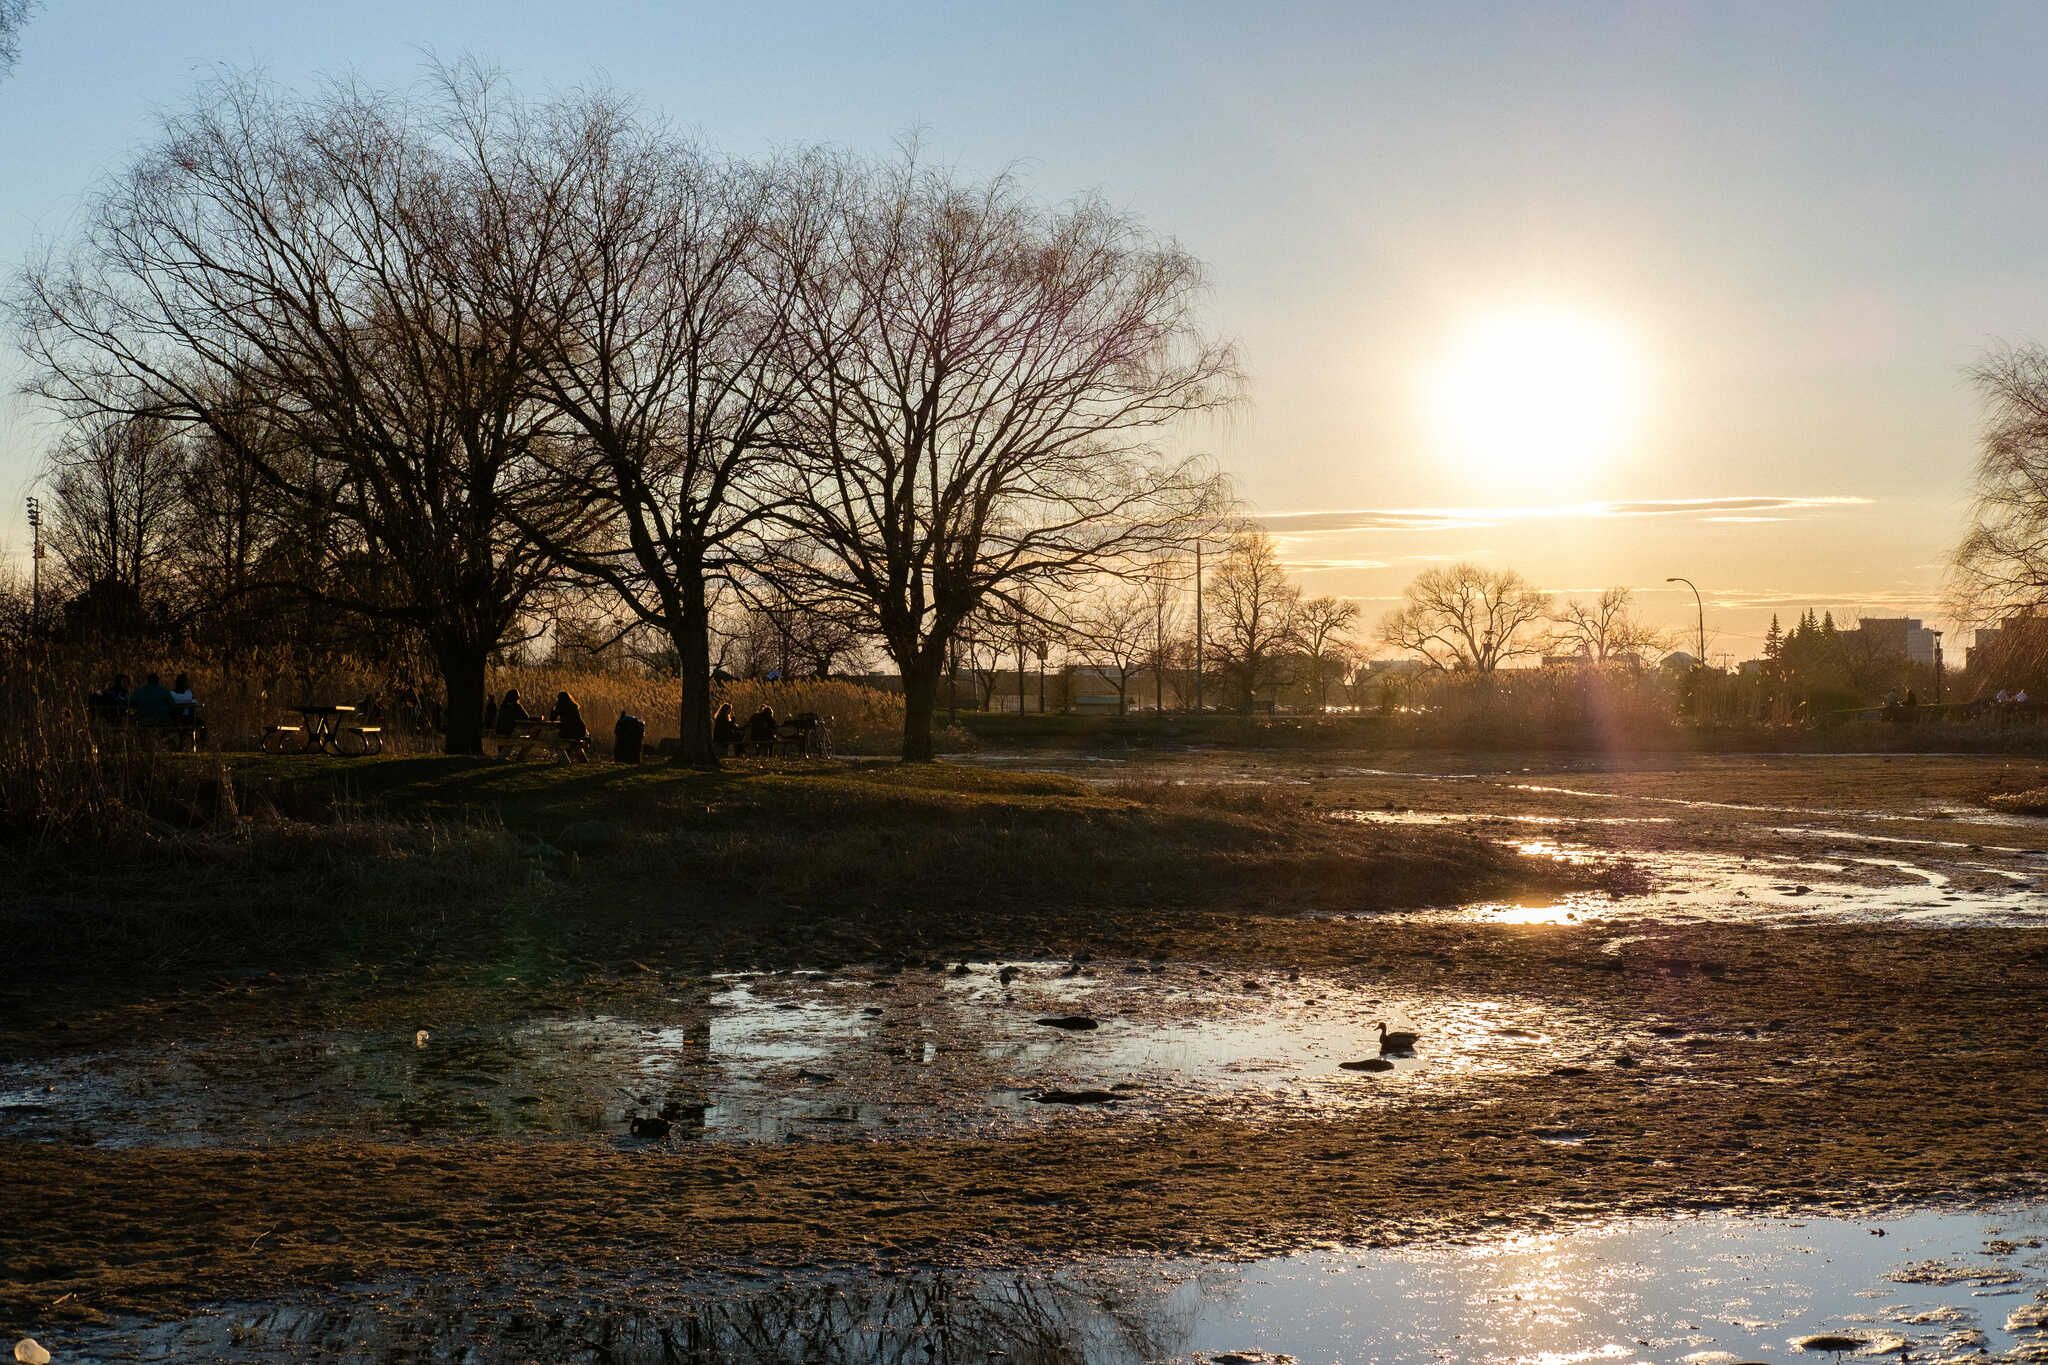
(1937, 667)
(35, 529)
(1700, 660)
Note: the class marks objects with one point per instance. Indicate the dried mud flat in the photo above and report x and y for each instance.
(1868, 1043)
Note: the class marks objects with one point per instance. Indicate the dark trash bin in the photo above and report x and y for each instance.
(628, 737)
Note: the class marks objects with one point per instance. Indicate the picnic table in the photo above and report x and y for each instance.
(546, 734)
(321, 729)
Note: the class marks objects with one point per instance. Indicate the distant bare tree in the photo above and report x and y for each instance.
(354, 266)
(1113, 634)
(1163, 594)
(1254, 617)
(114, 490)
(985, 383)
(1465, 618)
(1607, 629)
(2001, 564)
(1325, 626)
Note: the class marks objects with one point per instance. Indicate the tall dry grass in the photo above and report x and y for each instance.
(60, 771)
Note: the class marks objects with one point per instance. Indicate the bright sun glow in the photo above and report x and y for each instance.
(1537, 398)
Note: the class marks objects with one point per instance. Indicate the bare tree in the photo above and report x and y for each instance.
(1465, 618)
(1114, 635)
(114, 487)
(1607, 629)
(669, 361)
(1166, 609)
(1254, 617)
(1325, 626)
(355, 266)
(2001, 564)
(985, 383)
(13, 14)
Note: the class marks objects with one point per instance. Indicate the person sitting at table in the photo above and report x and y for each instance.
(510, 713)
(111, 705)
(726, 734)
(761, 730)
(151, 702)
(575, 735)
(182, 700)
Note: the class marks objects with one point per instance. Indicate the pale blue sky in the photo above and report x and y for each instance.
(1805, 219)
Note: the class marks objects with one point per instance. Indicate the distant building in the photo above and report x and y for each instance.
(1902, 635)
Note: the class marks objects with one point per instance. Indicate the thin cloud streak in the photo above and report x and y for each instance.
(1727, 509)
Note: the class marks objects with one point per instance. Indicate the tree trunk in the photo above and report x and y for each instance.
(692, 639)
(462, 676)
(920, 702)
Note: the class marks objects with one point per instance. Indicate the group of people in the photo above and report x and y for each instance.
(503, 719)
(759, 734)
(150, 704)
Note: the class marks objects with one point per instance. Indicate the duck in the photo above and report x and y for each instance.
(1397, 1041)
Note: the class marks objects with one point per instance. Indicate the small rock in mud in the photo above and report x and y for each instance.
(1624, 1060)
(815, 1078)
(1829, 1341)
(1069, 1021)
(1076, 1097)
(1009, 974)
(652, 1128)
(873, 1011)
(1367, 1064)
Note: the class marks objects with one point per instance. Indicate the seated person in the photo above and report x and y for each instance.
(151, 702)
(183, 704)
(510, 712)
(761, 730)
(568, 716)
(726, 734)
(112, 704)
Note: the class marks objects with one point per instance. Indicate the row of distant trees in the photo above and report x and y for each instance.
(434, 364)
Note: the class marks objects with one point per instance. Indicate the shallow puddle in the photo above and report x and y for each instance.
(1812, 873)
(1932, 1286)
(805, 1055)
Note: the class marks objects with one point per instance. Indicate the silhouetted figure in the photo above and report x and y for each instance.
(151, 702)
(761, 730)
(575, 735)
(510, 712)
(1912, 708)
(111, 705)
(726, 734)
(183, 702)
(490, 715)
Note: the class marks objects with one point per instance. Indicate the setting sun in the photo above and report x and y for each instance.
(1542, 397)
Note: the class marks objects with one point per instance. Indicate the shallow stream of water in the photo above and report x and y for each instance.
(1927, 1286)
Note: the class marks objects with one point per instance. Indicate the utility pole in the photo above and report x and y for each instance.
(1198, 627)
(1044, 648)
(35, 530)
(1701, 657)
(1937, 667)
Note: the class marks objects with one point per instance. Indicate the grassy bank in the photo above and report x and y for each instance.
(262, 863)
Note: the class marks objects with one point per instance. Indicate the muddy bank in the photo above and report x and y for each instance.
(853, 1078)
(1800, 1068)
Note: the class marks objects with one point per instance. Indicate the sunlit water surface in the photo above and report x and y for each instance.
(1934, 1286)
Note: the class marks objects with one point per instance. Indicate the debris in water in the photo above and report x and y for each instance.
(1076, 1097)
(1367, 1064)
(1069, 1021)
(29, 1351)
(419, 1039)
(655, 1128)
